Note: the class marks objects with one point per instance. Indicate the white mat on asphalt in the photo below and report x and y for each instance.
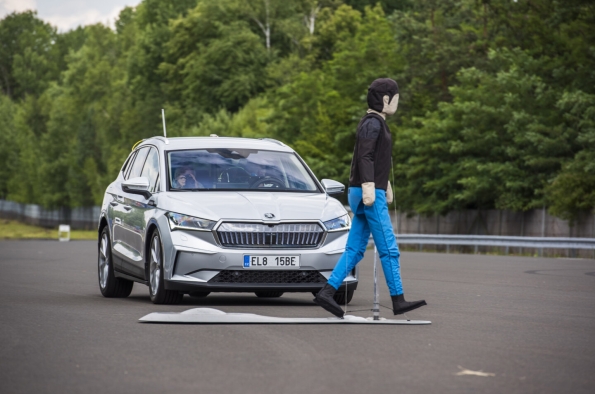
(215, 316)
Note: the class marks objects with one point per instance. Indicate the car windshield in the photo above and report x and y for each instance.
(238, 169)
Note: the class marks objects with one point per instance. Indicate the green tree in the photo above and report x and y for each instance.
(496, 104)
(572, 191)
(7, 142)
(146, 31)
(27, 63)
(387, 5)
(213, 61)
(29, 124)
(318, 112)
(500, 143)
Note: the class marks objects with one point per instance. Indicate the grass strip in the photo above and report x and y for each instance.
(12, 229)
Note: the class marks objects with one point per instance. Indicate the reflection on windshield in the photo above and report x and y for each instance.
(238, 169)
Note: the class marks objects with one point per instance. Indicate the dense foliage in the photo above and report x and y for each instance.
(497, 104)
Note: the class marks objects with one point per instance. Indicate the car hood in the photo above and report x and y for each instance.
(253, 205)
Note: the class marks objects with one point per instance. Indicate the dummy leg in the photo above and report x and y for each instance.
(384, 238)
(357, 241)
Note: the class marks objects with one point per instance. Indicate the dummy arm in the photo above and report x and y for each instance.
(367, 146)
(389, 193)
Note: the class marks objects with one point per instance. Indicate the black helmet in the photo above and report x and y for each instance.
(378, 89)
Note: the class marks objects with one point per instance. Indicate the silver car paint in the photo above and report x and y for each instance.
(200, 256)
(215, 205)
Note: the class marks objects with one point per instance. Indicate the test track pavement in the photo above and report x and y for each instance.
(528, 321)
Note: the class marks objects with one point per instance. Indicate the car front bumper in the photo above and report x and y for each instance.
(195, 261)
(187, 287)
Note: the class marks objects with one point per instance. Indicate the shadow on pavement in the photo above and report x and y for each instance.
(232, 300)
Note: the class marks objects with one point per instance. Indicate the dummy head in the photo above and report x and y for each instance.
(383, 96)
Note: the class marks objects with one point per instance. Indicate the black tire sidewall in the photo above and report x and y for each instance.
(159, 295)
(341, 296)
(162, 296)
(349, 295)
(199, 294)
(269, 294)
(110, 283)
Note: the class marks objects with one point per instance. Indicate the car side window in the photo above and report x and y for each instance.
(157, 185)
(151, 168)
(128, 164)
(139, 162)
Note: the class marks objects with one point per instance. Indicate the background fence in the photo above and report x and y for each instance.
(77, 218)
(534, 223)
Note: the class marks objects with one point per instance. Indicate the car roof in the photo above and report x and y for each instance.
(183, 143)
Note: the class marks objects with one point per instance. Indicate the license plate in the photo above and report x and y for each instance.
(271, 262)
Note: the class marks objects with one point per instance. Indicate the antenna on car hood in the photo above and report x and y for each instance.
(164, 129)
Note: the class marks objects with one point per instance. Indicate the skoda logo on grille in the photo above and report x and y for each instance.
(269, 215)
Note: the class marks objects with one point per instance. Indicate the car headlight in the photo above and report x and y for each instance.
(179, 221)
(339, 224)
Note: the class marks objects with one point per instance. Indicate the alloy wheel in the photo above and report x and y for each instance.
(103, 261)
(155, 266)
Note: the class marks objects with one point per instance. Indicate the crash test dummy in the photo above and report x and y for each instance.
(368, 194)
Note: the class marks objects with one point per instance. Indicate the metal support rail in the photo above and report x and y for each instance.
(493, 240)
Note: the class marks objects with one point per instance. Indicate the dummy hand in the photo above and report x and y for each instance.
(389, 193)
(369, 192)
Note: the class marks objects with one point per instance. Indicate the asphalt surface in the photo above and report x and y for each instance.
(528, 321)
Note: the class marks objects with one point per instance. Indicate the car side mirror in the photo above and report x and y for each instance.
(139, 185)
(333, 188)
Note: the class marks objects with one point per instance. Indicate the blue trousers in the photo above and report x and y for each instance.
(374, 219)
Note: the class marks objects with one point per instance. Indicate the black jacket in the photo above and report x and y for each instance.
(372, 154)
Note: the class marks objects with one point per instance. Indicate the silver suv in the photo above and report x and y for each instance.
(207, 214)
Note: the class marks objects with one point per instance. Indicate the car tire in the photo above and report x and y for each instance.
(199, 294)
(268, 294)
(109, 285)
(157, 291)
(339, 297)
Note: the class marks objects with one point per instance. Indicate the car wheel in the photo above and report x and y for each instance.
(339, 297)
(110, 286)
(159, 295)
(268, 294)
(199, 294)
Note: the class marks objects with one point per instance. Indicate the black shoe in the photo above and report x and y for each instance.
(325, 299)
(402, 306)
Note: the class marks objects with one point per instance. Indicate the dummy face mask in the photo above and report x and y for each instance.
(390, 108)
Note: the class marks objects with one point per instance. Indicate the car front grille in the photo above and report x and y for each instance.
(258, 235)
(269, 276)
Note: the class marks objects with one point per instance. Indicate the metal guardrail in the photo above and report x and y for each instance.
(493, 240)
(77, 218)
(496, 241)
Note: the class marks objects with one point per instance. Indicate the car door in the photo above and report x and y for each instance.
(115, 209)
(140, 212)
(125, 236)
